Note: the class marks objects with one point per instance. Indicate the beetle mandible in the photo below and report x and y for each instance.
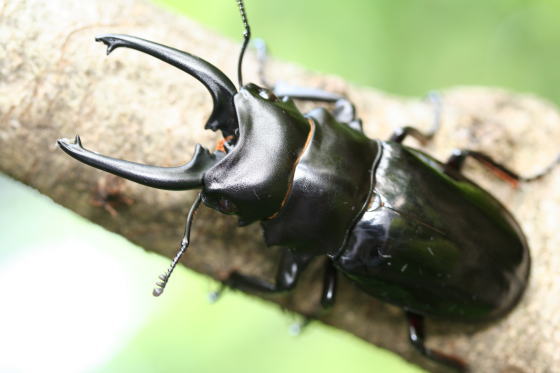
(320, 187)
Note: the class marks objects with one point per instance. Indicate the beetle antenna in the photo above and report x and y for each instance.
(246, 38)
(160, 286)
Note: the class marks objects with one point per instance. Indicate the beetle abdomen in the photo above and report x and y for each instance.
(444, 247)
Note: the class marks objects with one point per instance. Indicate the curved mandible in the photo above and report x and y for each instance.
(222, 90)
(188, 176)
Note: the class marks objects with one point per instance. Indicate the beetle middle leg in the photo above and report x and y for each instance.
(423, 137)
(328, 297)
(457, 160)
(416, 335)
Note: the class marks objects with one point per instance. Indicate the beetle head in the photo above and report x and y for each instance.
(253, 179)
(265, 136)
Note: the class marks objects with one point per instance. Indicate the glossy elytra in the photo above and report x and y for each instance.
(404, 227)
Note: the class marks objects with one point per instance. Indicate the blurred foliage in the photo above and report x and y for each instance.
(405, 46)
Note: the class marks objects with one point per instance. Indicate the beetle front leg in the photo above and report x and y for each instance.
(423, 137)
(344, 110)
(290, 267)
(416, 335)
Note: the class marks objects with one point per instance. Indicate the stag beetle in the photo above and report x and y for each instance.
(404, 227)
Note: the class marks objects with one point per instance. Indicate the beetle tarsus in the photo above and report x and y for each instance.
(214, 296)
(296, 329)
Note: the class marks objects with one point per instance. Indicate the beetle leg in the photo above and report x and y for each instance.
(282, 89)
(401, 133)
(344, 111)
(417, 336)
(330, 280)
(289, 270)
(457, 160)
(328, 297)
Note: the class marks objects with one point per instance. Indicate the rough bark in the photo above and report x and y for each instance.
(55, 82)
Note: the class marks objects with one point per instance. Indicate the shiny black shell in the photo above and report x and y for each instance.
(435, 243)
(329, 189)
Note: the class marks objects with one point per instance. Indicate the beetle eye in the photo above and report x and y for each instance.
(226, 206)
(267, 95)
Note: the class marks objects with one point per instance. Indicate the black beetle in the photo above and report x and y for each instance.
(404, 227)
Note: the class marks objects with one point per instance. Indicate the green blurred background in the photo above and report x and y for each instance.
(77, 298)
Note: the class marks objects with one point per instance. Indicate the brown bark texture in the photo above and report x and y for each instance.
(56, 82)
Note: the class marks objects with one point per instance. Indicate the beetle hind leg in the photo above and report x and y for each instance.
(416, 336)
(423, 137)
(457, 160)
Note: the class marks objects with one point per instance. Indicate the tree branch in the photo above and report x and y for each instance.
(56, 82)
